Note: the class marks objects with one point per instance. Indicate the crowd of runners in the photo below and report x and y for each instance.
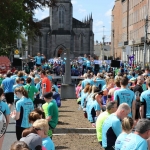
(115, 100)
(118, 105)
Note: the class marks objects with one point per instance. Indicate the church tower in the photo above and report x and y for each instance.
(61, 15)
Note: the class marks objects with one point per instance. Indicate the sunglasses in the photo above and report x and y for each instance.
(37, 129)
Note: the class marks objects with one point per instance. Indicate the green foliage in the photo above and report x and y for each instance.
(22, 10)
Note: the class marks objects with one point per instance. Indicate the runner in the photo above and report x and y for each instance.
(23, 108)
(7, 85)
(127, 126)
(145, 102)
(111, 107)
(112, 126)
(6, 112)
(31, 90)
(38, 60)
(41, 126)
(52, 110)
(137, 140)
(46, 84)
(125, 95)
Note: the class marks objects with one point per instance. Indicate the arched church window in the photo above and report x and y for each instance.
(61, 16)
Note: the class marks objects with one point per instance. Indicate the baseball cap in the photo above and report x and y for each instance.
(142, 126)
(34, 141)
(48, 95)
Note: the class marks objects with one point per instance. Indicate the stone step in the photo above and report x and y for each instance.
(75, 130)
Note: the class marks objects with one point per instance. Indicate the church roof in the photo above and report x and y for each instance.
(45, 22)
(78, 24)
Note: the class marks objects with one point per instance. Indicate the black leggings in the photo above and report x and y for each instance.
(19, 131)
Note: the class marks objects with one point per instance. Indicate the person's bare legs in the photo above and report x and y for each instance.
(1, 142)
(10, 106)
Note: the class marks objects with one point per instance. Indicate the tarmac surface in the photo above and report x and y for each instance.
(10, 136)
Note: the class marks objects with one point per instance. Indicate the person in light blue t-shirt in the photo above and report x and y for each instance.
(138, 139)
(41, 126)
(38, 59)
(145, 102)
(23, 108)
(6, 112)
(127, 126)
(18, 84)
(93, 111)
(125, 95)
(87, 81)
(112, 127)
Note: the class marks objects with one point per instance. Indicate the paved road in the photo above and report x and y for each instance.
(10, 136)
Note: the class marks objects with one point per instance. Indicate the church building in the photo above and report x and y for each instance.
(60, 31)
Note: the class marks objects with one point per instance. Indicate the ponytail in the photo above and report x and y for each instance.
(22, 91)
(127, 124)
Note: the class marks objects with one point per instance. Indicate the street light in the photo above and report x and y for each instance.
(133, 41)
(103, 44)
(20, 43)
(145, 41)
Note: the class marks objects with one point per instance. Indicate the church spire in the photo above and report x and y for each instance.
(87, 19)
(91, 16)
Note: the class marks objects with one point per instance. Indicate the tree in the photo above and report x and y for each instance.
(23, 10)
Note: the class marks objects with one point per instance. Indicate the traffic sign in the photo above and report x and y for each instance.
(16, 56)
(16, 51)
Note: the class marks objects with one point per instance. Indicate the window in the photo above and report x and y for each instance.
(61, 16)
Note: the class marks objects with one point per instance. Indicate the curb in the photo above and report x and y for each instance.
(75, 130)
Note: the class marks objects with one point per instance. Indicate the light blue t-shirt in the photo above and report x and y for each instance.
(129, 76)
(84, 61)
(48, 143)
(4, 108)
(134, 142)
(94, 106)
(14, 87)
(99, 83)
(8, 85)
(145, 99)
(50, 77)
(119, 141)
(14, 77)
(38, 86)
(85, 82)
(111, 129)
(124, 96)
(38, 60)
(88, 63)
(55, 87)
(24, 106)
(83, 97)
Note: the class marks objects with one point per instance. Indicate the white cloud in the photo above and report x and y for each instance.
(81, 10)
(42, 14)
(98, 23)
(74, 2)
(108, 13)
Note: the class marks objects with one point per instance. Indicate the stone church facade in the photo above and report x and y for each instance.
(60, 31)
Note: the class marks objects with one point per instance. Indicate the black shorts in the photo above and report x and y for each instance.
(37, 65)
(9, 97)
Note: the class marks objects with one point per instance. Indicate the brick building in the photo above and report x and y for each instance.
(60, 31)
(128, 28)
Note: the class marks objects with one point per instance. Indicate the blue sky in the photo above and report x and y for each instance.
(100, 9)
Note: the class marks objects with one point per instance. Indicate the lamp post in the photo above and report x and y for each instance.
(20, 43)
(103, 44)
(145, 41)
(133, 50)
